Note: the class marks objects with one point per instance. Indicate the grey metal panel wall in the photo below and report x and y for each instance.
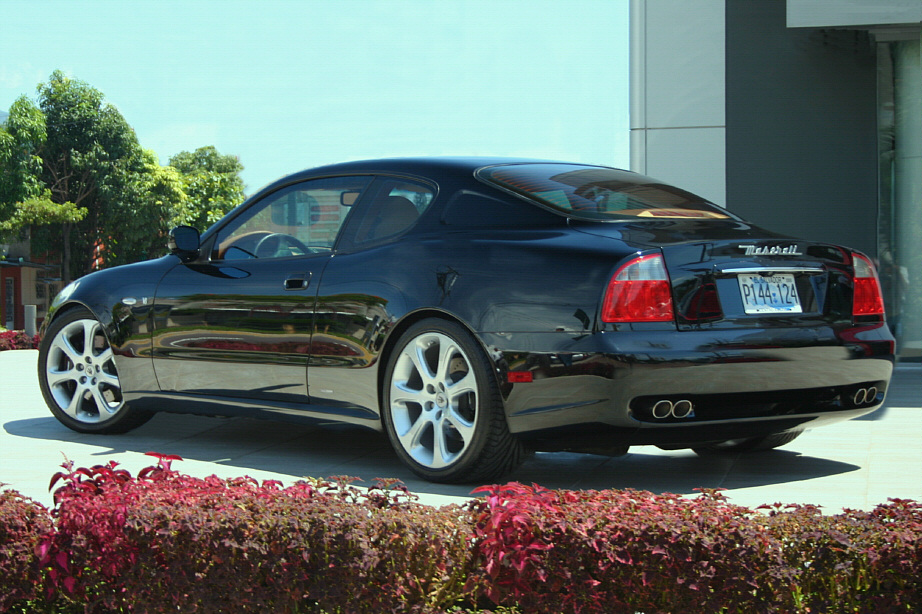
(801, 127)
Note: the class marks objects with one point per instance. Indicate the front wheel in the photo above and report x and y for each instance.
(442, 407)
(750, 444)
(78, 378)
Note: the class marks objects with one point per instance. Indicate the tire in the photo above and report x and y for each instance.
(751, 444)
(442, 408)
(78, 378)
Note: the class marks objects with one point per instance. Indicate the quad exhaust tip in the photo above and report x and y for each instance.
(680, 409)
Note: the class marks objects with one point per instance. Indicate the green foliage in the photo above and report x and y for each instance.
(40, 211)
(212, 183)
(72, 171)
(22, 137)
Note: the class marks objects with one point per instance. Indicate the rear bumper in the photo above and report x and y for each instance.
(741, 383)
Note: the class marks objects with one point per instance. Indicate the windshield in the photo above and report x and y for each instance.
(600, 193)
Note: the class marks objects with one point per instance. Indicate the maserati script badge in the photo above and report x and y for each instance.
(775, 250)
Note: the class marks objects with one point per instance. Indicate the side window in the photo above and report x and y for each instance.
(395, 208)
(301, 219)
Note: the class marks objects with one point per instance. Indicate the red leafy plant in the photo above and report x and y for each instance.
(18, 340)
(165, 541)
(622, 551)
(856, 561)
(23, 524)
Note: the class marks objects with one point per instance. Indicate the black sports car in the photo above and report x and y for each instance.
(474, 309)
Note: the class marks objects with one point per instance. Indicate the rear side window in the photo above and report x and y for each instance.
(600, 193)
(395, 207)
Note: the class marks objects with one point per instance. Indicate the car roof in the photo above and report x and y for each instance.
(436, 167)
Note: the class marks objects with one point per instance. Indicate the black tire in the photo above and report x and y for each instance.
(78, 378)
(751, 444)
(442, 408)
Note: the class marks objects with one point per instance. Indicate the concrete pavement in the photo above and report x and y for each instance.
(856, 464)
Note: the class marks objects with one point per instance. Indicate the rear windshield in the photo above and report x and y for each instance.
(600, 193)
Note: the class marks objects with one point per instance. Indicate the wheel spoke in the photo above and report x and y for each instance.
(56, 377)
(418, 356)
(441, 457)
(105, 356)
(74, 404)
(89, 335)
(411, 437)
(465, 385)
(101, 403)
(447, 350)
(461, 424)
(62, 344)
(109, 380)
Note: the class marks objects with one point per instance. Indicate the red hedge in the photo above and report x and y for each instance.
(23, 523)
(166, 542)
(163, 541)
(623, 551)
(17, 340)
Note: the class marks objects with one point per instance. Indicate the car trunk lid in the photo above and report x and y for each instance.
(727, 273)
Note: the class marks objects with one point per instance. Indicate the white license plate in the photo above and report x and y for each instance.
(772, 294)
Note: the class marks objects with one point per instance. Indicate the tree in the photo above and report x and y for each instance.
(87, 155)
(212, 183)
(24, 199)
(140, 214)
(72, 171)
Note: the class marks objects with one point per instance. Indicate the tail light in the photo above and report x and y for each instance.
(868, 300)
(639, 291)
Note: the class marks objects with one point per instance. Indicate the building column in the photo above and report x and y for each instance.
(907, 187)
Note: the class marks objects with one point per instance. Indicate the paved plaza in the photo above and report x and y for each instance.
(855, 464)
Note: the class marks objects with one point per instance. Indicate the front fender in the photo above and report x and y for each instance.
(121, 299)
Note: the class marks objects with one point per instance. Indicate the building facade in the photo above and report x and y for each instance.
(803, 116)
(23, 282)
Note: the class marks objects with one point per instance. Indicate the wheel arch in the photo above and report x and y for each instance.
(58, 311)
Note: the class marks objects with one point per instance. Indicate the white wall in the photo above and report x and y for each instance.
(678, 125)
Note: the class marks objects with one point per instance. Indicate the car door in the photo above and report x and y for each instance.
(237, 321)
(364, 289)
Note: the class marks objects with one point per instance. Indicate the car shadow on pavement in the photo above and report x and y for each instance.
(241, 446)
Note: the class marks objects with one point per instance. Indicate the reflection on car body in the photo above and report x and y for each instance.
(472, 309)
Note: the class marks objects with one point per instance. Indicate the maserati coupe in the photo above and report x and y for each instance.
(475, 309)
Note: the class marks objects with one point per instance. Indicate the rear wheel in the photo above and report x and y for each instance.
(442, 408)
(78, 378)
(750, 444)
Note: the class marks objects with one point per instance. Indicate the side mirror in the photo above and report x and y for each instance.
(185, 242)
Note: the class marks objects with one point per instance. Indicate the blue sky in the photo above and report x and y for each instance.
(287, 85)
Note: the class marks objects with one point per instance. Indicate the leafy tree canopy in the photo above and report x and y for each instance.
(212, 183)
(73, 172)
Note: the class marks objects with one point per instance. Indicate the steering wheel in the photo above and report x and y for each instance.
(269, 245)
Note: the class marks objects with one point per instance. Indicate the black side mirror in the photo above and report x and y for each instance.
(185, 242)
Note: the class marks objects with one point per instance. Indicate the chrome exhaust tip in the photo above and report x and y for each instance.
(683, 409)
(662, 409)
(860, 396)
(871, 395)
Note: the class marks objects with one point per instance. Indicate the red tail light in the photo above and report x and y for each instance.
(639, 291)
(868, 300)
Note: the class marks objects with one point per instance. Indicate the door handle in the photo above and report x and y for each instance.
(298, 281)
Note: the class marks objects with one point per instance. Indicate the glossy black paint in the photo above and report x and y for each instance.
(307, 337)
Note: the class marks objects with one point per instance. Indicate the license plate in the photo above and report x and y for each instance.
(772, 294)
